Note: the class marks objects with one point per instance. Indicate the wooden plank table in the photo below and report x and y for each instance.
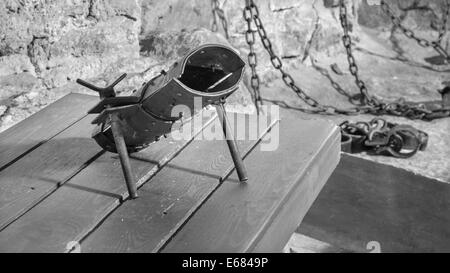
(58, 189)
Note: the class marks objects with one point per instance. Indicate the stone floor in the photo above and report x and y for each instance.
(389, 79)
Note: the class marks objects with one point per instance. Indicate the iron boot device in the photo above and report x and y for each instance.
(128, 124)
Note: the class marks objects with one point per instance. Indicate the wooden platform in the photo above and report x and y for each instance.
(59, 192)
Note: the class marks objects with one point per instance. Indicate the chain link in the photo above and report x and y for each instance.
(217, 11)
(443, 29)
(251, 12)
(436, 45)
(370, 105)
(351, 97)
(379, 136)
(374, 106)
(252, 59)
(353, 67)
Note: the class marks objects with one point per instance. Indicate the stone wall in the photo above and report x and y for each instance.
(46, 44)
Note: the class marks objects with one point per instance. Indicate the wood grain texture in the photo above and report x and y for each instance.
(283, 183)
(364, 201)
(168, 200)
(79, 205)
(33, 177)
(284, 222)
(45, 124)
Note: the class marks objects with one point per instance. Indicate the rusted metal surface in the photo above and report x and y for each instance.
(380, 137)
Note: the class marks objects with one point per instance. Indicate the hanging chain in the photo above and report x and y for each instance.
(443, 29)
(436, 45)
(217, 11)
(376, 107)
(252, 59)
(251, 12)
(352, 98)
(371, 105)
(353, 67)
(214, 26)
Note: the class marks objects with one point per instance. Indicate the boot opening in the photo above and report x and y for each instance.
(212, 69)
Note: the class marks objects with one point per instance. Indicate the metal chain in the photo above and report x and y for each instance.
(353, 67)
(217, 11)
(252, 59)
(352, 98)
(443, 29)
(376, 107)
(251, 12)
(381, 137)
(436, 45)
(214, 26)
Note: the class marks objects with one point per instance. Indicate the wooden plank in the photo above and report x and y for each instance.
(302, 196)
(35, 176)
(365, 201)
(243, 218)
(79, 205)
(45, 124)
(169, 199)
